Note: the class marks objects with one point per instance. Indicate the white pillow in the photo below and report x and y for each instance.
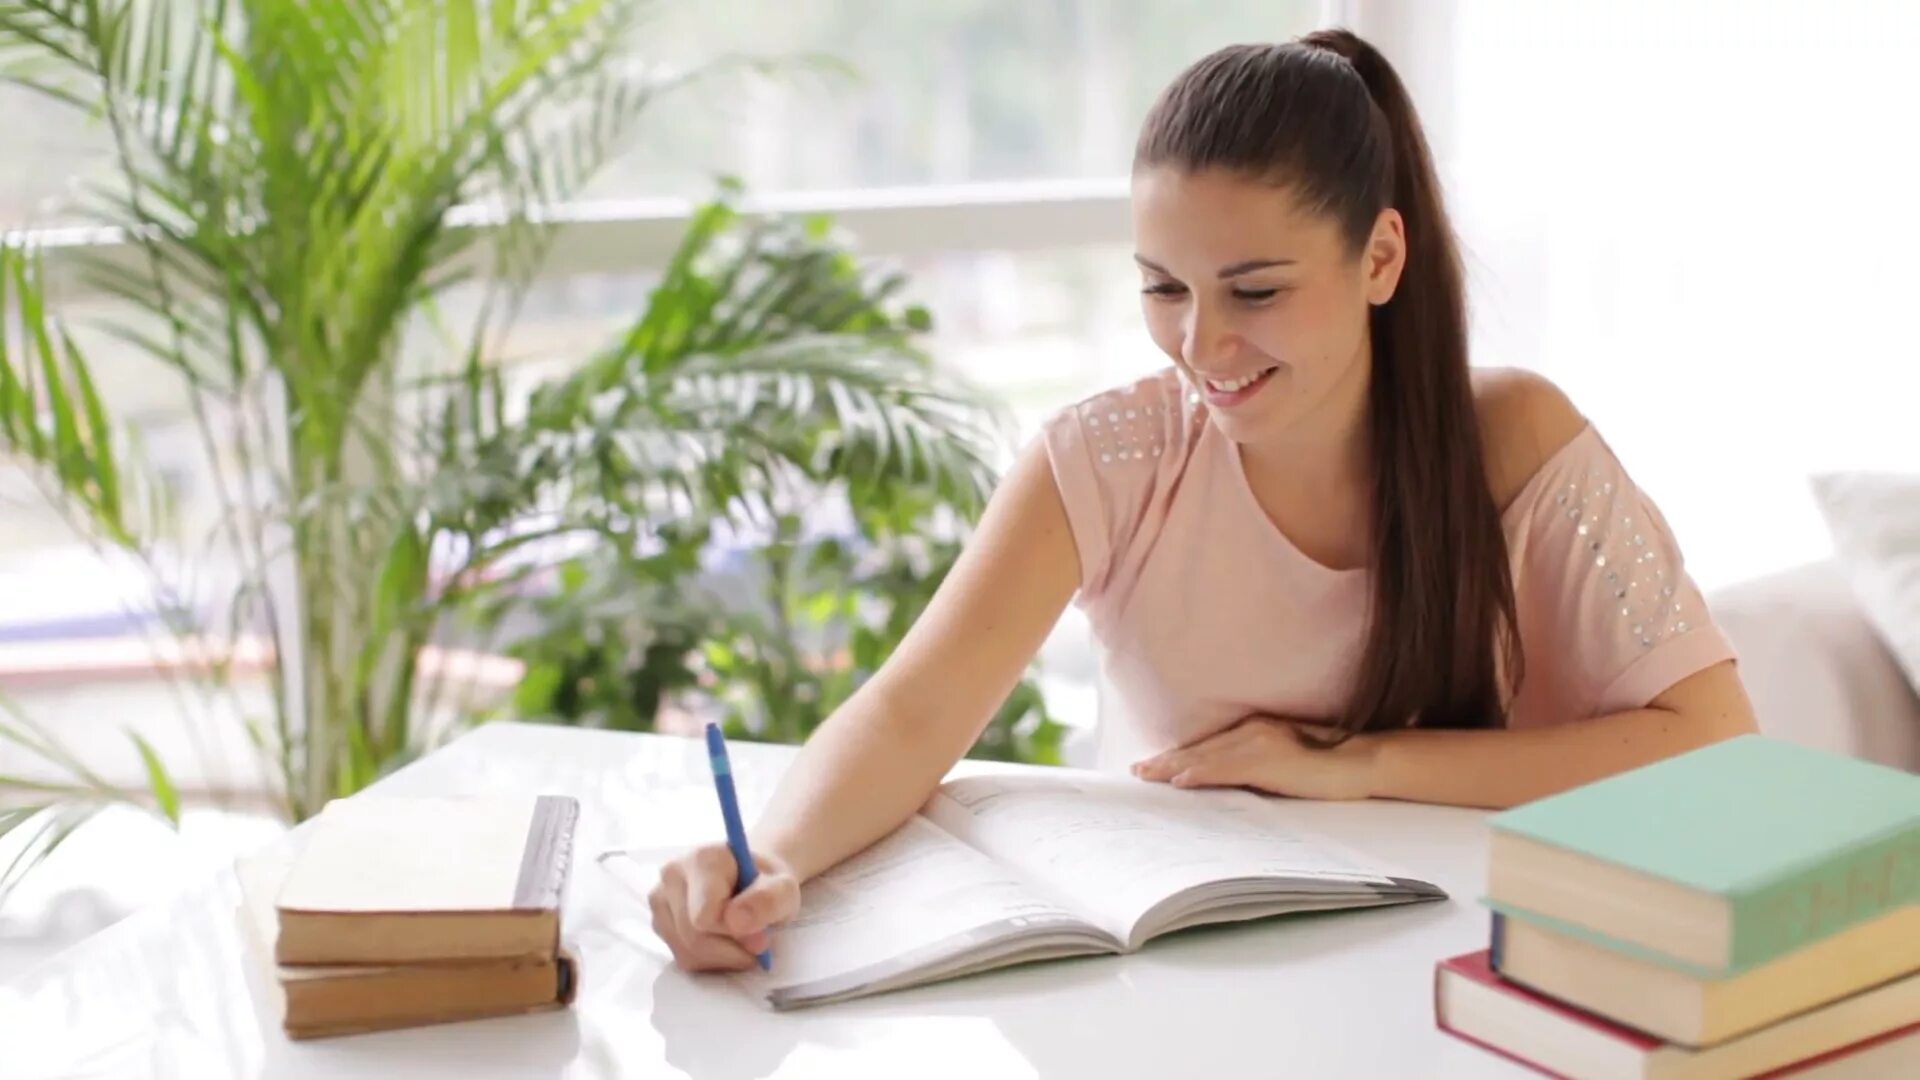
(1875, 522)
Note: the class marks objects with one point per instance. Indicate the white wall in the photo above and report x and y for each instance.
(1696, 217)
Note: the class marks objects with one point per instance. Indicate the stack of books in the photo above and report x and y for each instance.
(1751, 908)
(400, 912)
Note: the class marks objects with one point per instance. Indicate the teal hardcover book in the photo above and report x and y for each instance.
(1715, 860)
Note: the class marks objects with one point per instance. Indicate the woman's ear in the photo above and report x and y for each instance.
(1385, 256)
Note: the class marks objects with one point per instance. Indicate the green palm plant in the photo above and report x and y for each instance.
(775, 376)
(294, 197)
(52, 417)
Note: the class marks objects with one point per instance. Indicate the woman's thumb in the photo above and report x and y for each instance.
(772, 898)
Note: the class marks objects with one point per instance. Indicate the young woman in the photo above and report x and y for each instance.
(1323, 557)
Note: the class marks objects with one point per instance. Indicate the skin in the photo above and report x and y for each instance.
(1236, 280)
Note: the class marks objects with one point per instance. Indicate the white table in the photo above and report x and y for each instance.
(171, 991)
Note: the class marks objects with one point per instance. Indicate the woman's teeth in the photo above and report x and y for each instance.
(1232, 385)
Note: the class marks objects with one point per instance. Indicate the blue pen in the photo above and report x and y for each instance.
(730, 813)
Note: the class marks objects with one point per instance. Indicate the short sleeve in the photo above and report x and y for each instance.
(1115, 457)
(1609, 617)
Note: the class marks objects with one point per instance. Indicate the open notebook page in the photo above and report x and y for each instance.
(1115, 847)
(911, 901)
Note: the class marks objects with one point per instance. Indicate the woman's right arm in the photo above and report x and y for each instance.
(878, 758)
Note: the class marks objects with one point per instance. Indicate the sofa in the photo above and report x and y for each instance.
(1817, 672)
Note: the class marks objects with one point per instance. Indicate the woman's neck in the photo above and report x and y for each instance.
(1328, 450)
(1316, 481)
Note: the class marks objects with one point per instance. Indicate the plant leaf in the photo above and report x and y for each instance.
(46, 826)
(80, 457)
(158, 781)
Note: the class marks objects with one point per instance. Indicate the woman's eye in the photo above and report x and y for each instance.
(1164, 290)
(1255, 295)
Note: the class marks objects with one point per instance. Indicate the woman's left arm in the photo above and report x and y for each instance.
(1500, 768)
(1495, 768)
(1526, 422)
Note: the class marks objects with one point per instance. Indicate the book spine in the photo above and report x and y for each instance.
(1850, 888)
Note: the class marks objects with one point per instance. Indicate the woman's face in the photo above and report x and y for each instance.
(1262, 307)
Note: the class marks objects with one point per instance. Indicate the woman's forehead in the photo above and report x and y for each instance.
(1220, 215)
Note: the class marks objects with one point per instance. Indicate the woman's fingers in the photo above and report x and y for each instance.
(710, 879)
(1168, 764)
(692, 949)
(689, 905)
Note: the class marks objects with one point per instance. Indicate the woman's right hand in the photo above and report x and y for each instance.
(707, 927)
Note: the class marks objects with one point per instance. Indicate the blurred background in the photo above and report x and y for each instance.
(671, 392)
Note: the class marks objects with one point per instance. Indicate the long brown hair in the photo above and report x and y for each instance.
(1326, 118)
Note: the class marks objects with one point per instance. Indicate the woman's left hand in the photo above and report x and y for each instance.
(1269, 754)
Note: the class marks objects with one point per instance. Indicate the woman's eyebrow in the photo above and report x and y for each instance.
(1234, 270)
(1251, 265)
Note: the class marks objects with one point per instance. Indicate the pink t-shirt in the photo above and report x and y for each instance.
(1207, 613)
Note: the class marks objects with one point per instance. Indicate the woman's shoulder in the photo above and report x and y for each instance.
(1525, 423)
(1163, 391)
(1146, 418)
(1116, 457)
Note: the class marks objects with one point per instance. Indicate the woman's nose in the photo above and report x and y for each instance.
(1205, 338)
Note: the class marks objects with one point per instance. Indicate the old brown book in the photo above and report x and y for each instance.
(420, 880)
(315, 1001)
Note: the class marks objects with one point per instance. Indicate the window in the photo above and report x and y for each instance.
(948, 92)
(947, 95)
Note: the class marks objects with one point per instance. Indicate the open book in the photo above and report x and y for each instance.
(1005, 869)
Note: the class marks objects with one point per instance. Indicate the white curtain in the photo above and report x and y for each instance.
(1698, 218)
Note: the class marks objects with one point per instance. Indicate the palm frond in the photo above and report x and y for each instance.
(44, 47)
(726, 435)
(544, 165)
(30, 737)
(37, 814)
(50, 412)
(768, 353)
(31, 832)
(733, 285)
(884, 415)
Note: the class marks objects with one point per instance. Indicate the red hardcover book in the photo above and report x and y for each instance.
(1875, 1033)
